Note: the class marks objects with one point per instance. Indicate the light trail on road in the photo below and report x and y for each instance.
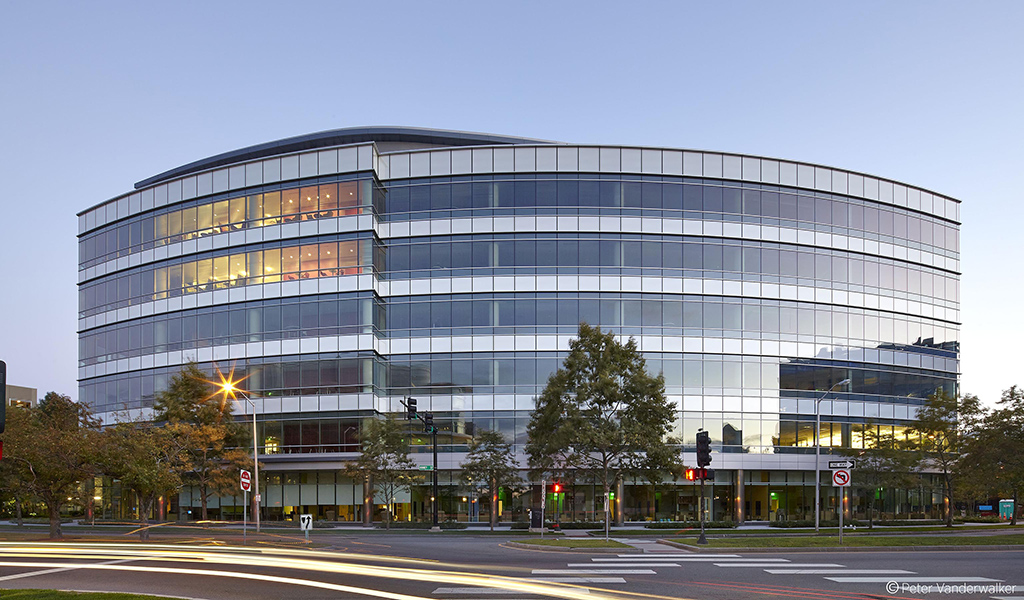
(302, 560)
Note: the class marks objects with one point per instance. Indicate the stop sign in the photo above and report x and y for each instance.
(246, 481)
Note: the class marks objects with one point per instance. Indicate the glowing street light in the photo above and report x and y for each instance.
(230, 391)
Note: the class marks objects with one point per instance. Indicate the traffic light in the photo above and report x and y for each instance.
(699, 474)
(556, 488)
(703, 448)
(410, 406)
(3, 400)
(428, 420)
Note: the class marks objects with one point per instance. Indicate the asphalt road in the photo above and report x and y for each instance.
(466, 567)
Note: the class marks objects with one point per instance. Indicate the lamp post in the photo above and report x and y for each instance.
(229, 389)
(817, 454)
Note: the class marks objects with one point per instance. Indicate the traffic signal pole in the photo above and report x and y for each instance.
(427, 419)
(433, 434)
(703, 541)
(703, 460)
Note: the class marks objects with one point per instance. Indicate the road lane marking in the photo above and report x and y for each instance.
(912, 579)
(593, 572)
(835, 571)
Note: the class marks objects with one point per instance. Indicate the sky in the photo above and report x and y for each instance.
(95, 96)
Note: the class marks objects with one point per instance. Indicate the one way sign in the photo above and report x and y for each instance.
(841, 464)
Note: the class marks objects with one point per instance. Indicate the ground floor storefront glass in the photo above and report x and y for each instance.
(733, 495)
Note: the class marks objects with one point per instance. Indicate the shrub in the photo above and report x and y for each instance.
(579, 525)
(810, 523)
(982, 519)
(906, 522)
(692, 525)
(417, 525)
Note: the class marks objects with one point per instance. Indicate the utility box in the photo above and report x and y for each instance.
(1006, 509)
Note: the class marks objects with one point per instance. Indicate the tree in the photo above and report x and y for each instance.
(148, 460)
(491, 464)
(885, 462)
(603, 413)
(993, 459)
(384, 460)
(201, 420)
(53, 448)
(944, 424)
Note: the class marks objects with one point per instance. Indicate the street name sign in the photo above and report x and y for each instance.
(426, 467)
(841, 464)
(841, 478)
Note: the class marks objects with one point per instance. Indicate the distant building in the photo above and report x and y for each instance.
(342, 271)
(22, 396)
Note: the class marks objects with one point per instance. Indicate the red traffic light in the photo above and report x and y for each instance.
(691, 474)
(557, 487)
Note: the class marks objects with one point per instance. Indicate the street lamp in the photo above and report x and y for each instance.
(229, 389)
(817, 453)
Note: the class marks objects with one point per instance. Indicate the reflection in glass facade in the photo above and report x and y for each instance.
(347, 270)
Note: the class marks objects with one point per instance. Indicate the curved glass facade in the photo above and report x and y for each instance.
(341, 279)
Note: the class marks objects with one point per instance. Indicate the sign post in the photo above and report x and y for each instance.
(543, 502)
(306, 523)
(841, 480)
(245, 482)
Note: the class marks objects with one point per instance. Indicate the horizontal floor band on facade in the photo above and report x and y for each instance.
(509, 343)
(521, 158)
(529, 283)
(596, 224)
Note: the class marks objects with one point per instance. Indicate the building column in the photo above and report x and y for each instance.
(740, 497)
(367, 502)
(620, 502)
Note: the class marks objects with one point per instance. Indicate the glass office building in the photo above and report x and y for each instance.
(345, 270)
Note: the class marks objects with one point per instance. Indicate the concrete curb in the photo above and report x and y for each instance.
(973, 548)
(629, 550)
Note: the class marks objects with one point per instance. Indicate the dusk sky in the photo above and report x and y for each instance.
(97, 96)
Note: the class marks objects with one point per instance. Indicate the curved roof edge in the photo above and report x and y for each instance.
(340, 137)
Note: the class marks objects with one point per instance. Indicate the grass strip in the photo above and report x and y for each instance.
(856, 541)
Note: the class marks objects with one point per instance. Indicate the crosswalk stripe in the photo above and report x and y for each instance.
(690, 555)
(640, 558)
(580, 580)
(627, 565)
(593, 572)
(488, 591)
(911, 580)
(835, 571)
(727, 559)
(769, 565)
